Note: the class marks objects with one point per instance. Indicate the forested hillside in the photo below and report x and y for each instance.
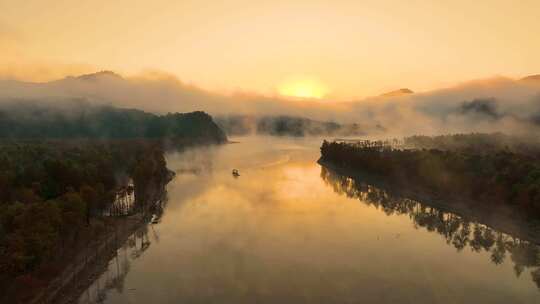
(79, 119)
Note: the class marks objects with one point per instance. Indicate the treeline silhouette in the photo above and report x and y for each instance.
(53, 195)
(458, 231)
(475, 142)
(492, 178)
(80, 119)
(284, 125)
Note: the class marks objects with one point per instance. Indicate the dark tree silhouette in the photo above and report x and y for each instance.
(475, 167)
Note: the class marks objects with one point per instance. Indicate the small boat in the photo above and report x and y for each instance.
(235, 173)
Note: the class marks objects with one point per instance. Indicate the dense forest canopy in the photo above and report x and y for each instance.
(478, 142)
(63, 166)
(53, 194)
(80, 119)
(494, 177)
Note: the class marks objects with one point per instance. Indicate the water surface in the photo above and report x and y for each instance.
(290, 231)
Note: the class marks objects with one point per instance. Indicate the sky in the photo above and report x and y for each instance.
(323, 49)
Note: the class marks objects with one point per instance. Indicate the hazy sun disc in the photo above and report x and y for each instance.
(303, 89)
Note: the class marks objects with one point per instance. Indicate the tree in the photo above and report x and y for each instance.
(90, 197)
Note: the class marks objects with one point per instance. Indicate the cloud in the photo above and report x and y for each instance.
(489, 105)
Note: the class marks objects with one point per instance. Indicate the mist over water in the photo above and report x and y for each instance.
(488, 105)
(289, 231)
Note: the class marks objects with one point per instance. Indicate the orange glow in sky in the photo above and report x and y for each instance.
(303, 87)
(354, 48)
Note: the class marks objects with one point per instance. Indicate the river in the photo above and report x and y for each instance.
(290, 231)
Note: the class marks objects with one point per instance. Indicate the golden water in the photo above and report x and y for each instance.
(285, 231)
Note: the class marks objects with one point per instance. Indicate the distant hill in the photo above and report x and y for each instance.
(96, 76)
(535, 78)
(397, 93)
(79, 119)
(285, 126)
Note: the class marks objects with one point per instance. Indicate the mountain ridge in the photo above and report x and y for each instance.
(397, 93)
(535, 77)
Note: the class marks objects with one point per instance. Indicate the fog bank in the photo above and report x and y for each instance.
(488, 105)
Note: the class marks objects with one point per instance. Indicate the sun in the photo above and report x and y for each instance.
(303, 88)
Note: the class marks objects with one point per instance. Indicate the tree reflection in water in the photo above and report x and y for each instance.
(457, 230)
(115, 272)
(118, 268)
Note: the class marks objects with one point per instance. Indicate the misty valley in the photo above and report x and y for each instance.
(157, 216)
(290, 229)
(269, 152)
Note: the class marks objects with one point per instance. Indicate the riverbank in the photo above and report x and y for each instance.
(89, 262)
(501, 219)
(492, 178)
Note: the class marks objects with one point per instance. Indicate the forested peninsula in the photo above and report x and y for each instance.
(494, 172)
(72, 176)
